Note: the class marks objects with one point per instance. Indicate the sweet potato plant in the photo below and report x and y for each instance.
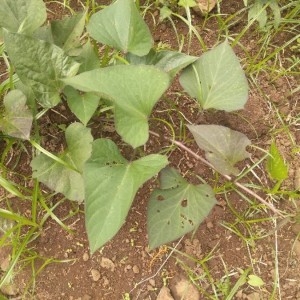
(51, 61)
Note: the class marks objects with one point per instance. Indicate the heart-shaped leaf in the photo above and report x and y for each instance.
(120, 26)
(223, 147)
(17, 119)
(111, 183)
(176, 208)
(134, 91)
(40, 65)
(217, 80)
(83, 105)
(22, 15)
(169, 61)
(66, 178)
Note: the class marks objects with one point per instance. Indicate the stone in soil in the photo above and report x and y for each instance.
(185, 290)
(95, 274)
(164, 294)
(106, 263)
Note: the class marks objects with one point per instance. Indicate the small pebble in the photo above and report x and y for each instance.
(164, 294)
(85, 256)
(135, 269)
(152, 282)
(5, 263)
(150, 288)
(105, 281)
(209, 225)
(95, 274)
(106, 263)
(127, 268)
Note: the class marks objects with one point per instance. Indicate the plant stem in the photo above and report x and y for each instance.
(227, 177)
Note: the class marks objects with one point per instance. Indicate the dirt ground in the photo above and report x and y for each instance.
(125, 268)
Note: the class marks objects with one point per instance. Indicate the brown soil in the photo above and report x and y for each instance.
(125, 265)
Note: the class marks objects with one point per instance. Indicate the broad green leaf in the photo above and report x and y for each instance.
(169, 61)
(22, 15)
(44, 33)
(120, 25)
(276, 166)
(217, 80)
(17, 119)
(223, 146)
(40, 65)
(134, 91)
(176, 208)
(88, 58)
(82, 105)
(30, 97)
(67, 32)
(111, 183)
(59, 177)
(255, 281)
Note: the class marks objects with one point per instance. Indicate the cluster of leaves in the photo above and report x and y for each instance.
(53, 59)
(258, 10)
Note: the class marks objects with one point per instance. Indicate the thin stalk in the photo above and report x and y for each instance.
(227, 177)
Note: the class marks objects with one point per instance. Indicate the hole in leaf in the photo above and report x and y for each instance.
(183, 217)
(184, 203)
(160, 198)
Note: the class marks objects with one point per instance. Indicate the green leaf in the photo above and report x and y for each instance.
(111, 184)
(88, 58)
(134, 91)
(258, 12)
(17, 119)
(30, 97)
(276, 12)
(82, 105)
(223, 147)
(164, 13)
(67, 32)
(44, 33)
(217, 80)
(23, 16)
(187, 3)
(276, 166)
(255, 281)
(40, 65)
(169, 61)
(177, 208)
(59, 177)
(120, 26)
